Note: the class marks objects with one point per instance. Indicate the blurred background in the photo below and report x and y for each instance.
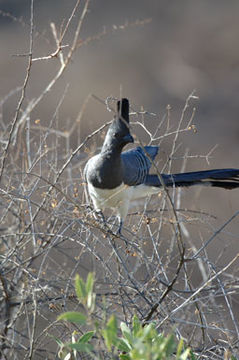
(180, 47)
(153, 52)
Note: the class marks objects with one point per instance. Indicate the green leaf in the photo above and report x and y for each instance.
(126, 332)
(80, 288)
(123, 345)
(179, 349)
(148, 332)
(124, 357)
(136, 325)
(86, 337)
(90, 283)
(91, 301)
(169, 345)
(73, 316)
(81, 347)
(64, 354)
(112, 325)
(110, 332)
(185, 354)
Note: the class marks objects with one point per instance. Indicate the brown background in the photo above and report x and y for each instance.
(187, 45)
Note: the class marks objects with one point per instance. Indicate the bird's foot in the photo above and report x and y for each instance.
(98, 215)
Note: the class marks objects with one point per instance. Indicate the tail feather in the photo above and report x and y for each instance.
(222, 178)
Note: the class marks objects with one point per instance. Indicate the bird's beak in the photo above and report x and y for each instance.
(128, 139)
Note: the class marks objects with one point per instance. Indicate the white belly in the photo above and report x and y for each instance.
(119, 198)
(108, 198)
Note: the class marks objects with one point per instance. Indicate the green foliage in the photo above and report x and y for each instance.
(84, 291)
(75, 317)
(144, 342)
(110, 333)
(135, 342)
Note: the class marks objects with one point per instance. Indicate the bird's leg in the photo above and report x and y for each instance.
(120, 233)
(98, 214)
(117, 223)
(120, 226)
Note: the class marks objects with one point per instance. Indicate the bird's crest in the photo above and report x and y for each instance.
(122, 116)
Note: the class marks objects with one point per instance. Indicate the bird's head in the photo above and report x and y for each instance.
(118, 134)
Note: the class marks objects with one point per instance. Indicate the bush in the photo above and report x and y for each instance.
(135, 342)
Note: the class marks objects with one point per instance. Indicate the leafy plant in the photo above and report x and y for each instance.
(135, 342)
(143, 342)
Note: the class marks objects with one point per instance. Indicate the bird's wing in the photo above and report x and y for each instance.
(136, 164)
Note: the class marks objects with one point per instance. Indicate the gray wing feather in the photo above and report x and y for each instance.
(136, 164)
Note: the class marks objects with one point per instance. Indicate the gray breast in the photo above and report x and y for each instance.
(104, 172)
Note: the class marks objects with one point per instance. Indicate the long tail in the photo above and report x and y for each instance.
(222, 178)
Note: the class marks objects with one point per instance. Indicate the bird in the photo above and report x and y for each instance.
(115, 177)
